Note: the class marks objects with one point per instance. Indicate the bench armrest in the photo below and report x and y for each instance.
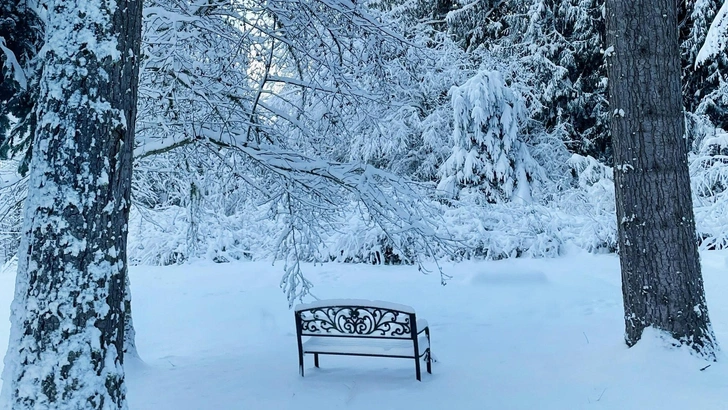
(421, 325)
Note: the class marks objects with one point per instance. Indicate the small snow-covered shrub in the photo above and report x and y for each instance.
(157, 237)
(12, 193)
(583, 215)
(591, 205)
(161, 237)
(361, 240)
(489, 156)
(541, 231)
(499, 231)
(709, 178)
(196, 210)
(9, 236)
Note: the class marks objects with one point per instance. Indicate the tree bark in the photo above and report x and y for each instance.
(67, 336)
(662, 283)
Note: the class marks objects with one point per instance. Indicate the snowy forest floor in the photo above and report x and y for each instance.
(513, 334)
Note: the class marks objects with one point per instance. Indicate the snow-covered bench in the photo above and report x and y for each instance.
(354, 327)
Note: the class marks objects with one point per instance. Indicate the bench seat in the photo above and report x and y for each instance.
(364, 346)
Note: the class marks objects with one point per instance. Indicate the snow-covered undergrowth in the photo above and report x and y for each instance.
(709, 176)
(511, 334)
(162, 237)
(495, 231)
(11, 194)
(580, 214)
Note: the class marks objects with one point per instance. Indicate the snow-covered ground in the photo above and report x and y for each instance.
(514, 334)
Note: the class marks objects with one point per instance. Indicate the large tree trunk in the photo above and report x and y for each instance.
(67, 318)
(661, 280)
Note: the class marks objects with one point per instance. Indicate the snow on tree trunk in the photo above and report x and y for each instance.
(130, 349)
(662, 283)
(488, 156)
(66, 343)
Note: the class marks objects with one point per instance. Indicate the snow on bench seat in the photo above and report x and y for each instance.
(354, 302)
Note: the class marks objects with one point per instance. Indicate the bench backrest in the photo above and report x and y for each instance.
(385, 322)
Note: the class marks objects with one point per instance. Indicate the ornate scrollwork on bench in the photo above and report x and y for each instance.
(356, 321)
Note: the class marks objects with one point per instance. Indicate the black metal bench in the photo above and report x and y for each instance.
(352, 327)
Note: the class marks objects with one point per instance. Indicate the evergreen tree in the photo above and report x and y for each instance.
(477, 23)
(20, 39)
(488, 156)
(555, 49)
(704, 82)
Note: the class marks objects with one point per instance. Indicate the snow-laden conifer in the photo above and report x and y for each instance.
(489, 155)
(704, 63)
(555, 50)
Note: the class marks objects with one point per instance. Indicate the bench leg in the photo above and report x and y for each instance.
(300, 363)
(315, 359)
(417, 369)
(300, 343)
(429, 351)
